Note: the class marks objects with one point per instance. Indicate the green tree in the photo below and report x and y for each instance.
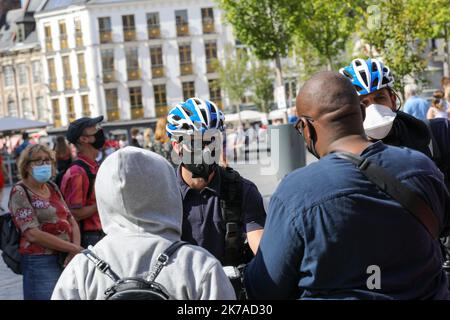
(398, 30)
(323, 30)
(440, 23)
(266, 26)
(233, 74)
(262, 85)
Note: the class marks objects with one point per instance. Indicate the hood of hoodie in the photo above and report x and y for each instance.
(137, 192)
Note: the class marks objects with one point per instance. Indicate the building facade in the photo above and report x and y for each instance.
(129, 60)
(22, 87)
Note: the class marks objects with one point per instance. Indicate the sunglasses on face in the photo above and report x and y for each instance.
(300, 126)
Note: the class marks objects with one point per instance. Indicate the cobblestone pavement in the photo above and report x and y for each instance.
(11, 284)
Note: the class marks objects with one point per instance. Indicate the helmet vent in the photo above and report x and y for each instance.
(374, 67)
(188, 112)
(364, 77)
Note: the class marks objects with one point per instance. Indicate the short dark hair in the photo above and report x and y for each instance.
(25, 136)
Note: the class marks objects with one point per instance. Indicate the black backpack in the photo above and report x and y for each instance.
(237, 250)
(10, 239)
(85, 166)
(135, 288)
(9, 243)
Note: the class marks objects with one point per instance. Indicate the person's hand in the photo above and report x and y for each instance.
(71, 255)
(68, 259)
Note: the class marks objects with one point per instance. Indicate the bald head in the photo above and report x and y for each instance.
(327, 94)
(332, 102)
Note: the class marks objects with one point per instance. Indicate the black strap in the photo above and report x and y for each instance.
(232, 215)
(408, 198)
(163, 259)
(90, 175)
(25, 188)
(91, 178)
(101, 265)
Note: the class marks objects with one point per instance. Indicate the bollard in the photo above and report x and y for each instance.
(290, 147)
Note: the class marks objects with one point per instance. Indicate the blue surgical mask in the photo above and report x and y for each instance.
(42, 173)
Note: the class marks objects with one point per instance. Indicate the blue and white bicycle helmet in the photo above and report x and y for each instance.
(194, 115)
(368, 76)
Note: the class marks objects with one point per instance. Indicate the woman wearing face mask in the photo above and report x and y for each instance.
(50, 237)
(383, 120)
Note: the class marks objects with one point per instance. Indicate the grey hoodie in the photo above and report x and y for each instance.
(140, 209)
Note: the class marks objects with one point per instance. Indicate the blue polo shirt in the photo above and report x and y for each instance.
(417, 107)
(202, 217)
(327, 224)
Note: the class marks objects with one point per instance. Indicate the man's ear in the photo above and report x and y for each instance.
(176, 146)
(393, 97)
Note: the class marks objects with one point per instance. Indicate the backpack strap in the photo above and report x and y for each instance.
(408, 198)
(25, 188)
(90, 175)
(163, 259)
(232, 215)
(101, 265)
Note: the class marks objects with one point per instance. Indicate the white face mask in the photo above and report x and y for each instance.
(379, 121)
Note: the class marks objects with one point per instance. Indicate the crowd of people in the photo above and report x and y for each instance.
(326, 225)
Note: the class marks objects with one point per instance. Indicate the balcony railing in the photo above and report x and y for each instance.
(218, 103)
(134, 74)
(63, 42)
(57, 120)
(52, 84)
(105, 36)
(154, 32)
(129, 34)
(183, 29)
(161, 111)
(210, 66)
(109, 76)
(68, 83)
(113, 114)
(185, 68)
(208, 26)
(157, 71)
(83, 80)
(71, 116)
(79, 39)
(86, 113)
(49, 45)
(137, 112)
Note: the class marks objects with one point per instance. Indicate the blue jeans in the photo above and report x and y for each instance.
(40, 274)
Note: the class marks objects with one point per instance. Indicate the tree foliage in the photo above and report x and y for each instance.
(262, 85)
(266, 26)
(234, 77)
(398, 31)
(324, 29)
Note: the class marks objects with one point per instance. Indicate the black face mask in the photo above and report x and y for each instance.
(201, 170)
(99, 140)
(311, 146)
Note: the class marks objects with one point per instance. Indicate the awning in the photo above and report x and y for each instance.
(246, 115)
(8, 124)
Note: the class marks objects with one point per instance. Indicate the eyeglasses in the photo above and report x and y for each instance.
(299, 126)
(40, 162)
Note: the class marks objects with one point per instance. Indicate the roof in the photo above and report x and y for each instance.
(17, 124)
(60, 4)
(33, 5)
(8, 31)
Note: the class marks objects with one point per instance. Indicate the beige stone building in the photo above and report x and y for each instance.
(22, 89)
